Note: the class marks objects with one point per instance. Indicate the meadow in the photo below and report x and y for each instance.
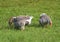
(33, 32)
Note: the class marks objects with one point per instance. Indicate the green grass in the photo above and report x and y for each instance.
(33, 32)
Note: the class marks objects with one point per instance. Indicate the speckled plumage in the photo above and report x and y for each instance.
(44, 20)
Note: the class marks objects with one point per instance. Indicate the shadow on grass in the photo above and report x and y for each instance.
(35, 26)
(13, 28)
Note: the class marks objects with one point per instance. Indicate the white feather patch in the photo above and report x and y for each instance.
(14, 17)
